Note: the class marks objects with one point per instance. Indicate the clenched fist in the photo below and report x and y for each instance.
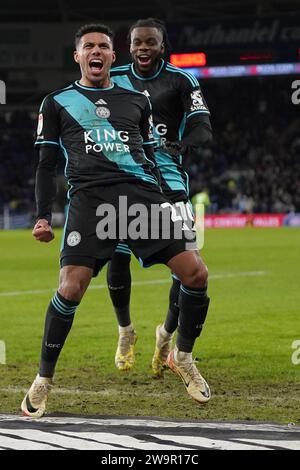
(42, 231)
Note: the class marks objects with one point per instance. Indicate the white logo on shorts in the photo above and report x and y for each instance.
(102, 112)
(74, 238)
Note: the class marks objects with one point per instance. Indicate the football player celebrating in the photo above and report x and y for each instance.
(181, 126)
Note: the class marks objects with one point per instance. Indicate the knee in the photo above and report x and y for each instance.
(71, 289)
(198, 278)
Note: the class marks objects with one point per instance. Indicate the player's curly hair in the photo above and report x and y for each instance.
(93, 28)
(151, 23)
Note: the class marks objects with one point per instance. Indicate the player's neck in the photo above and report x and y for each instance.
(105, 83)
(147, 73)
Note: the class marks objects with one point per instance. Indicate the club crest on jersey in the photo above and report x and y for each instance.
(102, 112)
(74, 238)
(197, 101)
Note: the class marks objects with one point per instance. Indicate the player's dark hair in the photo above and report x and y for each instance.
(93, 28)
(151, 23)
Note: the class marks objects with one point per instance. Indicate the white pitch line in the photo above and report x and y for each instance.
(135, 283)
(114, 391)
(84, 393)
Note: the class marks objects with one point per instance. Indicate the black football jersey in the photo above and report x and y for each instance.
(102, 133)
(177, 102)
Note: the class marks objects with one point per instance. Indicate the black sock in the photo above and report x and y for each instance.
(59, 319)
(119, 285)
(193, 307)
(171, 321)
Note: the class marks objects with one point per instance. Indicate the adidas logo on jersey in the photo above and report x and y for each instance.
(100, 102)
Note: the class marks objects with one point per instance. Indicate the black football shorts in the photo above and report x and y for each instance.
(136, 213)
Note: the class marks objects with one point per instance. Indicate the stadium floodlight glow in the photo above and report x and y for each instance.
(191, 59)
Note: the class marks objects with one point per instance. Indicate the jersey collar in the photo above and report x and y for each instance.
(92, 88)
(148, 78)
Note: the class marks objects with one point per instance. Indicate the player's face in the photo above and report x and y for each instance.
(95, 56)
(146, 48)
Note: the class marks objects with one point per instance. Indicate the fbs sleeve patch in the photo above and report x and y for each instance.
(197, 101)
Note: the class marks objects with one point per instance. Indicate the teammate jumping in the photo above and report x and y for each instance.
(181, 126)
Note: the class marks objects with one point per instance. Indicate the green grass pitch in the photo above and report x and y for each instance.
(245, 351)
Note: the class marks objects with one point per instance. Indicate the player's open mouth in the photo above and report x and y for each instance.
(144, 59)
(96, 65)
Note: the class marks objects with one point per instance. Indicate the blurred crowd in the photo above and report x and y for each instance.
(252, 165)
(16, 160)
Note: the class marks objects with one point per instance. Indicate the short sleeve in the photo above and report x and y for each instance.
(192, 98)
(48, 124)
